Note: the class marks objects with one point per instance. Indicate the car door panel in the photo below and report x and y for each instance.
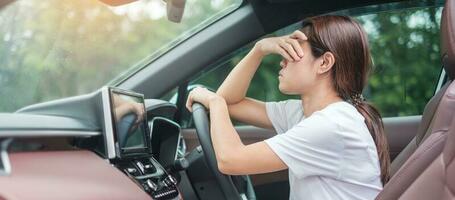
(399, 132)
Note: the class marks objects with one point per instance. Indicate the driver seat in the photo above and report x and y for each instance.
(432, 108)
(426, 152)
(438, 180)
(434, 142)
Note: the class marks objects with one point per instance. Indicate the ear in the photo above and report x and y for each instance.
(327, 60)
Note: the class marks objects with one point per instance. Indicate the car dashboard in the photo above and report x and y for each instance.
(136, 135)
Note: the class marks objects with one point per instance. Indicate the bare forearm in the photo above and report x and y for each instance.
(235, 86)
(224, 137)
(233, 157)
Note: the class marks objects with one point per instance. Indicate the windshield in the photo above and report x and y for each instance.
(60, 48)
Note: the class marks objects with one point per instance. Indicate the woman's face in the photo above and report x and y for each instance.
(296, 78)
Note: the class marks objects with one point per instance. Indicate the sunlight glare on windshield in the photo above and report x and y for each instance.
(60, 48)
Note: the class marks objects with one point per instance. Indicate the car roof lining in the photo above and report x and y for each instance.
(275, 14)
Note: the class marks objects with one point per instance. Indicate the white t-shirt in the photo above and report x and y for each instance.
(330, 154)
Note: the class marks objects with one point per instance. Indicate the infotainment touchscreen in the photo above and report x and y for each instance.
(131, 132)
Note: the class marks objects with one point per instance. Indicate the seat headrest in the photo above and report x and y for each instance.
(448, 38)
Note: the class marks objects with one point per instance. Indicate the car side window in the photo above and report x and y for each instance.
(404, 45)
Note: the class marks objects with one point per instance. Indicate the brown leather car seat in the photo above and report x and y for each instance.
(438, 180)
(427, 122)
(435, 140)
(426, 152)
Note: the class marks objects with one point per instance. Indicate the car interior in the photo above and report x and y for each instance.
(88, 147)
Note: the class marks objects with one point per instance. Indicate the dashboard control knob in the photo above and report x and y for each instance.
(151, 185)
(169, 181)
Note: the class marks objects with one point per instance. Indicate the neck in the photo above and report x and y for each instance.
(318, 99)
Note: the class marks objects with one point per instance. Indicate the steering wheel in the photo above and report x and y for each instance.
(228, 187)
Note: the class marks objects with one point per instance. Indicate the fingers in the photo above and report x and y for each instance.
(299, 35)
(291, 45)
(296, 45)
(194, 95)
(290, 50)
(190, 99)
(283, 63)
(189, 102)
(200, 95)
(285, 54)
(139, 110)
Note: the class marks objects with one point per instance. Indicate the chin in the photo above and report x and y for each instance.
(283, 89)
(287, 90)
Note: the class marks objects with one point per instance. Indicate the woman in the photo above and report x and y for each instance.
(331, 140)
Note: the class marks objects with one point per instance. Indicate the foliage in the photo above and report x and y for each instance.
(405, 50)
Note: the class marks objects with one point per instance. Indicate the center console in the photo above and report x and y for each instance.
(128, 140)
(149, 174)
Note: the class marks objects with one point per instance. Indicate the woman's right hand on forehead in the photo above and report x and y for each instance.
(287, 46)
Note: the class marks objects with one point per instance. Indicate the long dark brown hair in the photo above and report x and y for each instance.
(346, 40)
